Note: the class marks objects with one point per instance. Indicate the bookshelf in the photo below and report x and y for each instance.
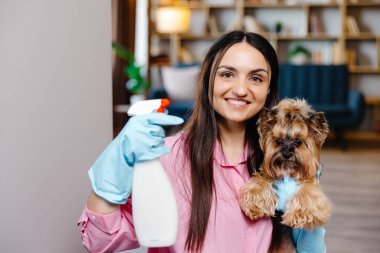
(316, 25)
(335, 31)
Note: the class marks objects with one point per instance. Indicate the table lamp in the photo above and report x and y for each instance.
(173, 20)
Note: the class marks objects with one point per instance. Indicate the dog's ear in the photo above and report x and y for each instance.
(265, 124)
(318, 126)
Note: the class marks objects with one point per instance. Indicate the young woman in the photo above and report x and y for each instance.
(207, 162)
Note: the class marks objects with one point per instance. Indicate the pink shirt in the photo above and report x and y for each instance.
(228, 230)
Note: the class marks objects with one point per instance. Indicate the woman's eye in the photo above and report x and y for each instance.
(256, 79)
(226, 74)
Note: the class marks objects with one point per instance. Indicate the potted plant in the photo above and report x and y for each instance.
(136, 84)
(298, 54)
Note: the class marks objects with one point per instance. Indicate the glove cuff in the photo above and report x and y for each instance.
(119, 197)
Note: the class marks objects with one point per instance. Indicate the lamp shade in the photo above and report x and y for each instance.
(173, 19)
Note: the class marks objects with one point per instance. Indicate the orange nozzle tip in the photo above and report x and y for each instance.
(164, 103)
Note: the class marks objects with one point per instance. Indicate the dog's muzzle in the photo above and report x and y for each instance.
(287, 149)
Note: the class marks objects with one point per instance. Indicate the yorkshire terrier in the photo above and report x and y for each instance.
(291, 137)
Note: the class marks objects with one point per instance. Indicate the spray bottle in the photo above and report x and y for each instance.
(154, 207)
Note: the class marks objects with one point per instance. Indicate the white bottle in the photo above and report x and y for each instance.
(154, 207)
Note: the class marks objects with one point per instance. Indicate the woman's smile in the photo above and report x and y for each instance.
(239, 103)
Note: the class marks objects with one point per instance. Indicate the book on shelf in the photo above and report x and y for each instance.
(352, 26)
(351, 58)
(251, 24)
(213, 26)
(315, 24)
(337, 53)
(329, 54)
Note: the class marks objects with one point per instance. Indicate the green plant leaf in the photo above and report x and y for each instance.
(136, 83)
(122, 52)
(295, 49)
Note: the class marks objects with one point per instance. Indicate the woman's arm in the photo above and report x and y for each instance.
(100, 205)
(107, 227)
(107, 219)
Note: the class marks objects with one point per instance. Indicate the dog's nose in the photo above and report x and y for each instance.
(287, 152)
(287, 155)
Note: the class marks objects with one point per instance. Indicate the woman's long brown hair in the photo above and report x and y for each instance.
(202, 132)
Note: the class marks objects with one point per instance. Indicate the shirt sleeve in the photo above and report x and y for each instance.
(108, 233)
(310, 241)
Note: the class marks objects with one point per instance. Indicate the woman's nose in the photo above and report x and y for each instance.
(240, 88)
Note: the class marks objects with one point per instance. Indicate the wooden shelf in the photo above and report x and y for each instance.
(199, 5)
(372, 101)
(363, 135)
(362, 3)
(221, 6)
(364, 70)
(279, 5)
(310, 37)
(361, 36)
(295, 5)
(323, 5)
(189, 36)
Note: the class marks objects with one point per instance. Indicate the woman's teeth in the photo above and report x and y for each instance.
(237, 102)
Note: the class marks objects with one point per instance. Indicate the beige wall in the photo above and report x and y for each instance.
(55, 117)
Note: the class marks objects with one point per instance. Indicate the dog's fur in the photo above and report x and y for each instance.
(291, 137)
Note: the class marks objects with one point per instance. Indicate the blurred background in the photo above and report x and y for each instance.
(69, 71)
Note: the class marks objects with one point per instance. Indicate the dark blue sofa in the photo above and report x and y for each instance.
(327, 89)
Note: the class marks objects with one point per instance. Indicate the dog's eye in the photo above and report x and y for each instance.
(279, 142)
(297, 143)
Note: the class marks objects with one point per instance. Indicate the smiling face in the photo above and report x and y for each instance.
(241, 84)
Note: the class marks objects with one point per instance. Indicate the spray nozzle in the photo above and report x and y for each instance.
(149, 106)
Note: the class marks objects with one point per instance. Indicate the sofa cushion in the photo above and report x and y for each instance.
(180, 82)
(333, 110)
(181, 109)
(320, 84)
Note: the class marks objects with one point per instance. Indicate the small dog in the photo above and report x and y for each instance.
(291, 137)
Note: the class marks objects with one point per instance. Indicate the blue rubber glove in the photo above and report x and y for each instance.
(141, 139)
(307, 241)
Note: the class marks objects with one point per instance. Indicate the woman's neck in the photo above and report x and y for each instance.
(232, 141)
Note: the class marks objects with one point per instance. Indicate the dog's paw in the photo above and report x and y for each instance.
(305, 219)
(254, 212)
(257, 199)
(307, 209)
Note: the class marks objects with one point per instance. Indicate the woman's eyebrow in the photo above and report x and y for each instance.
(258, 70)
(227, 67)
(251, 72)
